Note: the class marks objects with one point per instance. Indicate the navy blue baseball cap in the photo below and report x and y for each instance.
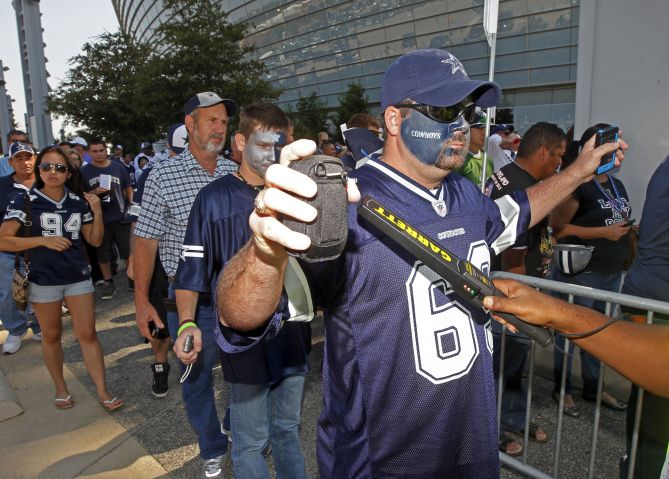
(177, 137)
(434, 77)
(502, 127)
(479, 120)
(19, 147)
(207, 99)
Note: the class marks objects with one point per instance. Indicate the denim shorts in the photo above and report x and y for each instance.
(47, 294)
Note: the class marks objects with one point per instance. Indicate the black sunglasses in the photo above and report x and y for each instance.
(444, 114)
(56, 167)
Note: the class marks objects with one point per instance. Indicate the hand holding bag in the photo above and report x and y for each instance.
(20, 280)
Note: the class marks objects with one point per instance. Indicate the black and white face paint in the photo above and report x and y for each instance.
(434, 143)
(262, 149)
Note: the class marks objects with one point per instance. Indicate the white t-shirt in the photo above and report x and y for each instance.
(495, 151)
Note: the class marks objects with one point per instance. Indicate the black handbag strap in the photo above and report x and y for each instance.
(26, 233)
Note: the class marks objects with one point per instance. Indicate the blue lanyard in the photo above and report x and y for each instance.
(617, 203)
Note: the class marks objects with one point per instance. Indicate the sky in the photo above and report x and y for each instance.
(68, 25)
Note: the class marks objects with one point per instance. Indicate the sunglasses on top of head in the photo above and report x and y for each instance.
(444, 114)
(55, 167)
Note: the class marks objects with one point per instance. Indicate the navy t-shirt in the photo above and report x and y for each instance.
(55, 218)
(131, 171)
(9, 190)
(114, 207)
(407, 375)
(649, 274)
(136, 205)
(595, 209)
(537, 241)
(218, 227)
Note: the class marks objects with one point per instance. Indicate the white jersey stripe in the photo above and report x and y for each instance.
(510, 212)
(192, 247)
(190, 254)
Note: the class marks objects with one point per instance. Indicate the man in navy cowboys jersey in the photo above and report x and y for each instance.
(21, 160)
(266, 380)
(408, 383)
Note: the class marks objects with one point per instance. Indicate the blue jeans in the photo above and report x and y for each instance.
(14, 321)
(514, 389)
(260, 412)
(198, 389)
(589, 364)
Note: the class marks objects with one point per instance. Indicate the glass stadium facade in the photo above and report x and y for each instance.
(323, 45)
(139, 18)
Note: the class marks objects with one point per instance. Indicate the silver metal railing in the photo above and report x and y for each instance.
(612, 300)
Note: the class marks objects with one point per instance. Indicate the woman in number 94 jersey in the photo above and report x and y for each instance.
(58, 266)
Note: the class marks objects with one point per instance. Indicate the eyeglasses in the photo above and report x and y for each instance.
(55, 167)
(444, 114)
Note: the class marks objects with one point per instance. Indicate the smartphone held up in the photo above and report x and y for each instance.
(606, 135)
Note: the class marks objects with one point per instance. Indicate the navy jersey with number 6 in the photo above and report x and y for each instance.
(407, 375)
(54, 218)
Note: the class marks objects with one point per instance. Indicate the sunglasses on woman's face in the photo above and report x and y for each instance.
(55, 167)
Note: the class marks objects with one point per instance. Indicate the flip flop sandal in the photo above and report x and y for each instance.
(568, 411)
(534, 429)
(617, 405)
(63, 403)
(112, 404)
(505, 441)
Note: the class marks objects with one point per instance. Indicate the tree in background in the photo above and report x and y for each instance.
(203, 52)
(100, 90)
(352, 101)
(309, 117)
(126, 92)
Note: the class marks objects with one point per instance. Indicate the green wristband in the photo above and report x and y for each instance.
(185, 325)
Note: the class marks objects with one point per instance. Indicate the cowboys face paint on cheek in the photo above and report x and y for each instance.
(434, 143)
(263, 149)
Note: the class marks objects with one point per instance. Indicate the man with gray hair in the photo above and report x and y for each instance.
(169, 193)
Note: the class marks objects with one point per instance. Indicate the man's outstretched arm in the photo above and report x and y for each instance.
(638, 352)
(547, 194)
(250, 286)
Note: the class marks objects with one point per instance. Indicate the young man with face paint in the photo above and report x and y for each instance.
(399, 343)
(266, 379)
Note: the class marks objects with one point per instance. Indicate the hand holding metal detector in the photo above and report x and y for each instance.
(465, 279)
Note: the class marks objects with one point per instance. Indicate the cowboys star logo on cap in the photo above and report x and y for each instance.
(18, 147)
(455, 64)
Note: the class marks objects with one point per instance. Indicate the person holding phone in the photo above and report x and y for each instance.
(111, 182)
(58, 267)
(595, 214)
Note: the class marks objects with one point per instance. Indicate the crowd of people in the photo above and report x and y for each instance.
(200, 237)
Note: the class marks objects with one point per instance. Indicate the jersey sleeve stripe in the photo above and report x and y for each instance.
(15, 215)
(510, 212)
(192, 247)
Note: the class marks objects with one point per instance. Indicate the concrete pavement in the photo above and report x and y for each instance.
(44, 442)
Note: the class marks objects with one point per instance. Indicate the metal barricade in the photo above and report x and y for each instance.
(612, 300)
